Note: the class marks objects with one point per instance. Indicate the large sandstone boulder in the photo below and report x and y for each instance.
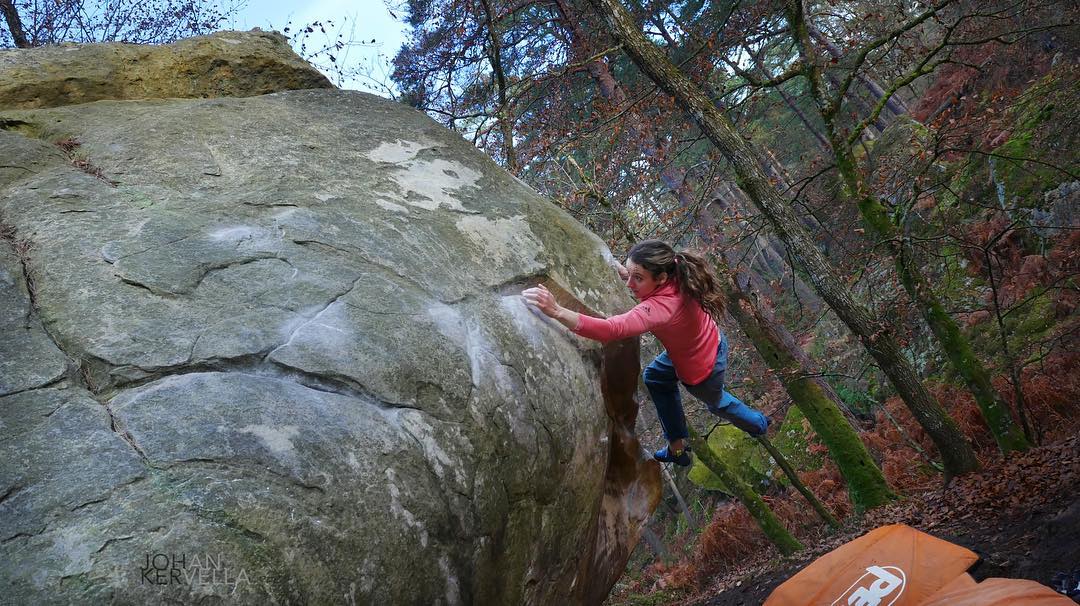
(273, 350)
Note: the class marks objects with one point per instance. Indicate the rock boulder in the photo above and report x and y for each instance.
(272, 349)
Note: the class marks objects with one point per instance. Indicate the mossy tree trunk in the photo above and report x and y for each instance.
(789, 471)
(956, 346)
(784, 541)
(866, 483)
(874, 334)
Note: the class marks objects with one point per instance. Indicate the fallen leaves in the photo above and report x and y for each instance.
(997, 511)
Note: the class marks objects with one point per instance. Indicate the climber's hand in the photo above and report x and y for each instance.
(543, 299)
(623, 273)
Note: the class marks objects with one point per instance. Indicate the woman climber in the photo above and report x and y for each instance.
(679, 303)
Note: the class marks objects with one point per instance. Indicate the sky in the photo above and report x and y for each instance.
(359, 20)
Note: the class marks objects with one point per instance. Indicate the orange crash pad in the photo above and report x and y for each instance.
(900, 566)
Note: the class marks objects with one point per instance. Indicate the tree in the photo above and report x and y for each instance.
(758, 508)
(14, 23)
(877, 217)
(957, 455)
(866, 484)
(461, 64)
(32, 23)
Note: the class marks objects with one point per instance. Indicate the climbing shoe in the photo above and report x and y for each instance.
(664, 455)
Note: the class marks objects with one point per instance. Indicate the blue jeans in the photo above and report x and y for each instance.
(663, 385)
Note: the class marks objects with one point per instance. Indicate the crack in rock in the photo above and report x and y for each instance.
(109, 493)
(15, 488)
(240, 463)
(338, 384)
(315, 317)
(111, 541)
(111, 259)
(124, 434)
(19, 535)
(53, 383)
(205, 270)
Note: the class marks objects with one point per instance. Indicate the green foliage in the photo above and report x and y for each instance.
(856, 399)
(740, 452)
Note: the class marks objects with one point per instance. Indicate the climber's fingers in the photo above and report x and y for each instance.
(541, 298)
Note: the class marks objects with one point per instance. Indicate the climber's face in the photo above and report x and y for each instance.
(641, 281)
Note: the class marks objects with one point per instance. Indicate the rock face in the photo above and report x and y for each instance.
(272, 350)
(226, 64)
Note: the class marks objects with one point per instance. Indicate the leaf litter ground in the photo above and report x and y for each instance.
(1021, 515)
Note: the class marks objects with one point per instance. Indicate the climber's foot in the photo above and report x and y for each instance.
(667, 455)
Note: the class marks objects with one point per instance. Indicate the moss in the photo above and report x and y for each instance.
(22, 127)
(262, 562)
(77, 584)
(900, 142)
(793, 442)
(965, 175)
(766, 519)
(1022, 166)
(740, 452)
(864, 151)
(1050, 102)
(1026, 324)
(1036, 319)
(816, 349)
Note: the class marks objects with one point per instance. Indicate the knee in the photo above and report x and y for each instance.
(651, 376)
(716, 407)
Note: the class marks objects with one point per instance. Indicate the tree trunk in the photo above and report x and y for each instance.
(14, 23)
(506, 123)
(866, 484)
(822, 511)
(956, 453)
(956, 346)
(772, 527)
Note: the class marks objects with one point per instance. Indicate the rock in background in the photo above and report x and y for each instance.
(228, 64)
(272, 350)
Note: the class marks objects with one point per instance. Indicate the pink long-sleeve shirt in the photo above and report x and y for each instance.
(687, 332)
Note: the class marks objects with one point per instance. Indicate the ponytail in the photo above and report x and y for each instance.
(697, 281)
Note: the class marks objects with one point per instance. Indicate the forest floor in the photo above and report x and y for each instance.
(1021, 514)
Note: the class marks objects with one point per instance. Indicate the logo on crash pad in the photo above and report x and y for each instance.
(879, 586)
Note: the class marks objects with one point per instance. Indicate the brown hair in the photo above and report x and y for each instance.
(695, 278)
